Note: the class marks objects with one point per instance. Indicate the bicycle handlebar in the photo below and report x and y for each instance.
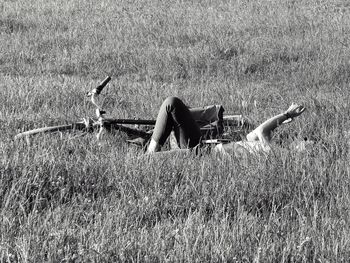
(100, 87)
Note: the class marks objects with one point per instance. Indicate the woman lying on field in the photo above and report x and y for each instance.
(175, 116)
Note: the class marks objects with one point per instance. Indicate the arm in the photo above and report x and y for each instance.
(264, 131)
(262, 134)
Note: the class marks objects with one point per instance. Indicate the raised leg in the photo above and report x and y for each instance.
(175, 115)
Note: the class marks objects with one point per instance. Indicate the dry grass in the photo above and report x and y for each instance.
(75, 200)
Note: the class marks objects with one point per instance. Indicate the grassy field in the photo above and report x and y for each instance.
(77, 201)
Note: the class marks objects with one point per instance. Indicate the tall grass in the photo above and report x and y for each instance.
(77, 200)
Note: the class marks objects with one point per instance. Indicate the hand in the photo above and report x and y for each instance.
(294, 110)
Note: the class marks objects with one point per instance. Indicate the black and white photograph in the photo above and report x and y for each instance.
(174, 131)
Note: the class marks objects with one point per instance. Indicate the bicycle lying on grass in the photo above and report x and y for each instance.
(103, 124)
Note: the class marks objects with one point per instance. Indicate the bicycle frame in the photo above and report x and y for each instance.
(89, 124)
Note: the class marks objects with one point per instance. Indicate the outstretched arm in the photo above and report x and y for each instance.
(259, 139)
(264, 131)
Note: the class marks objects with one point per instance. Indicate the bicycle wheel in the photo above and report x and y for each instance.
(74, 126)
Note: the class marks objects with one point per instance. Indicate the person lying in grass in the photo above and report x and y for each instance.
(175, 116)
